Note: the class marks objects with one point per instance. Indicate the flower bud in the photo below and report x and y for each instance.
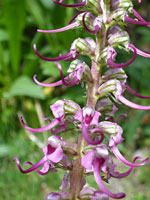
(81, 69)
(93, 6)
(106, 107)
(107, 53)
(70, 106)
(117, 73)
(83, 46)
(62, 107)
(106, 88)
(99, 195)
(87, 193)
(102, 152)
(89, 20)
(54, 141)
(126, 4)
(53, 196)
(110, 128)
(88, 114)
(116, 36)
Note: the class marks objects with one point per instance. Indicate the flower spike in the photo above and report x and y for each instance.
(122, 65)
(70, 26)
(46, 128)
(70, 5)
(97, 166)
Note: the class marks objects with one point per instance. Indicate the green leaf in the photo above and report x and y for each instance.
(14, 19)
(24, 86)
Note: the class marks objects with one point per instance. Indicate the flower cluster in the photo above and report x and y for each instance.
(91, 154)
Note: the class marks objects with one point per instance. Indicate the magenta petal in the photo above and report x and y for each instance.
(87, 160)
(122, 65)
(70, 5)
(45, 84)
(52, 59)
(85, 131)
(99, 182)
(125, 174)
(135, 93)
(123, 160)
(78, 116)
(70, 83)
(131, 104)
(96, 28)
(70, 26)
(133, 21)
(48, 127)
(41, 172)
(78, 13)
(64, 182)
(121, 115)
(34, 167)
(56, 156)
(136, 14)
(95, 119)
(141, 53)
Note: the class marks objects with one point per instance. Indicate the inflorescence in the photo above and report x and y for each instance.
(91, 154)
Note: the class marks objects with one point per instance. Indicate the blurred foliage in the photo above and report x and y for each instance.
(19, 95)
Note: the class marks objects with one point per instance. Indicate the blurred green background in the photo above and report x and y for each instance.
(19, 95)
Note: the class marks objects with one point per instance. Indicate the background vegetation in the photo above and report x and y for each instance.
(19, 95)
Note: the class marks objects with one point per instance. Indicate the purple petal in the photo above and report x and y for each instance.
(45, 84)
(41, 172)
(99, 182)
(95, 119)
(96, 28)
(136, 14)
(85, 131)
(131, 104)
(79, 116)
(121, 115)
(123, 160)
(122, 65)
(34, 167)
(64, 182)
(125, 174)
(142, 53)
(135, 93)
(70, 83)
(70, 5)
(78, 13)
(133, 21)
(56, 156)
(48, 127)
(53, 196)
(70, 26)
(52, 59)
(87, 160)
